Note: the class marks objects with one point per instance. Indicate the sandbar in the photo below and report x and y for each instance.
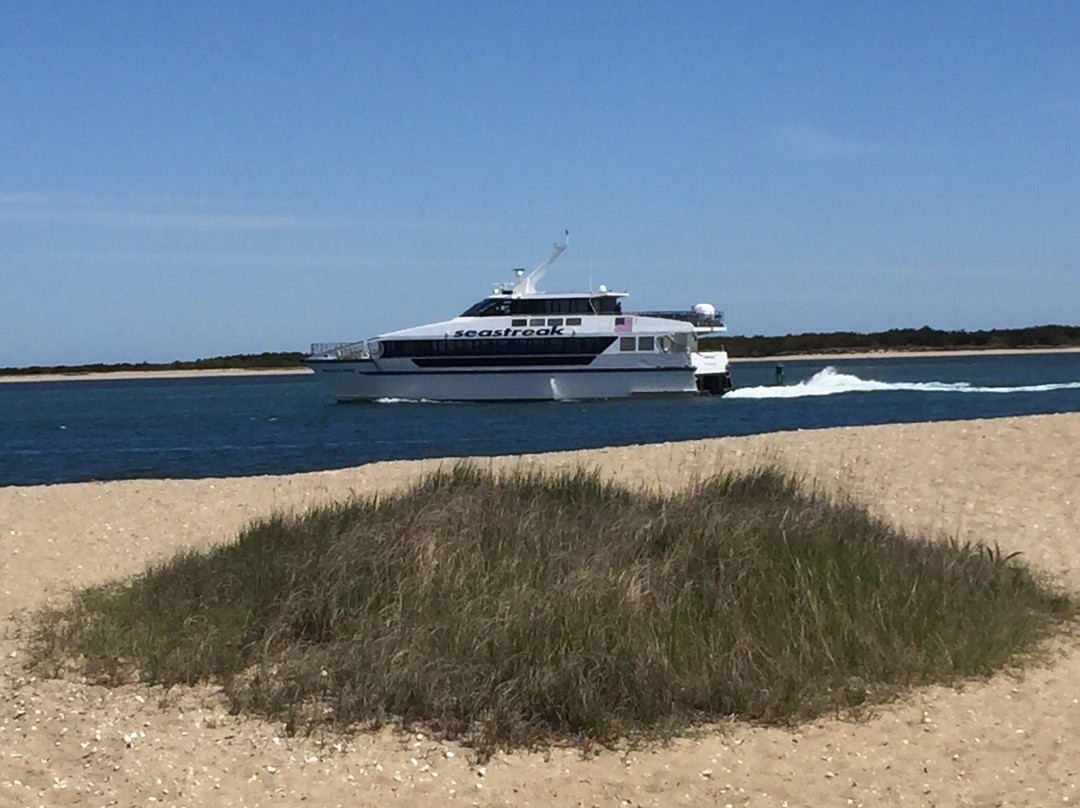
(1011, 740)
(153, 374)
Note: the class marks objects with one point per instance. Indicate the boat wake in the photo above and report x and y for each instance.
(829, 382)
(389, 400)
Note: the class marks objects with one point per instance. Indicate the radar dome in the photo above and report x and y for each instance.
(705, 310)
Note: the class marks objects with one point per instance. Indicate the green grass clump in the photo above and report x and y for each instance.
(532, 608)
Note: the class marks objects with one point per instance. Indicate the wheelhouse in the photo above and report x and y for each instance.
(538, 304)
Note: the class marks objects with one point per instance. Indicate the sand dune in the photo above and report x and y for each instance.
(1009, 741)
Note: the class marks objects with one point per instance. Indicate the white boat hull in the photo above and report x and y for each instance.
(361, 380)
(520, 344)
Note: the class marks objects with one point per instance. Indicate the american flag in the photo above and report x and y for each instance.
(624, 324)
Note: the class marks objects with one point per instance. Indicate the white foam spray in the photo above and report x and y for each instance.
(829, 382)
(556, 392)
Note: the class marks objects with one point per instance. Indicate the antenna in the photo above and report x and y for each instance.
(527, 285)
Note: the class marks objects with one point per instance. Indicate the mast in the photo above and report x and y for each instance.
(527, 285)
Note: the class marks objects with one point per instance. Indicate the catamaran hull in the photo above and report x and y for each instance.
(521, 344)
(360, 380)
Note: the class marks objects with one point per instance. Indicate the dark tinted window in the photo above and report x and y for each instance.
(489, 307)
(501, 306)
(521, 346)
(554, 305)
(607, 305)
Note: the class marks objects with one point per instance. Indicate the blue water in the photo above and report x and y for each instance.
(225, 426)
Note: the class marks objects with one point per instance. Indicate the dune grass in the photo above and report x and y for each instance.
(536, 608)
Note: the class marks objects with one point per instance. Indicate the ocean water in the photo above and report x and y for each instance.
(52, 432)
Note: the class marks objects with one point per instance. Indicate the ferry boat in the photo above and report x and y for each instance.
(519, 343)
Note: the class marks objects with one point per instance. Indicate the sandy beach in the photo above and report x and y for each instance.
(1009, 741)
(151, 374)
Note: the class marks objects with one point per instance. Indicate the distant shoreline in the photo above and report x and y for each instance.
(895, 354)
(152, 374)
(291, 371)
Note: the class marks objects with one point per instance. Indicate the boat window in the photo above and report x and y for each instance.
(523, 306)
(573, 321)
(645, 343)
(535, 346)
(606, 305)
(566, 305)
(555, 321)
(627, 343)
(536, 321)
(519, 322)
(489, 307)
(551, 305)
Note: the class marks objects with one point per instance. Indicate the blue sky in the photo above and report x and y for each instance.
(180, 180)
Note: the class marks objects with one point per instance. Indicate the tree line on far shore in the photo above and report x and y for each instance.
(896, 339)
(263, 361)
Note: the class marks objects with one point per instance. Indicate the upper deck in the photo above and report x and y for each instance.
(537, 303)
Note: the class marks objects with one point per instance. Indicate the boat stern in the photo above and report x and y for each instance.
(712, 371)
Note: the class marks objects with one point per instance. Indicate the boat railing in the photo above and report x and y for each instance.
(340, 350)
(696, 319)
